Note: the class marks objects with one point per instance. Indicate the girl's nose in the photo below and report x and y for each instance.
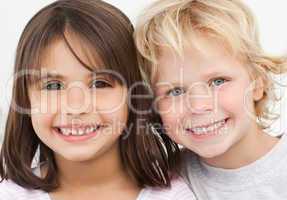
(78, 100)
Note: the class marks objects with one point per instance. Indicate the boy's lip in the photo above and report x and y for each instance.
(198, 136)
(205, 125)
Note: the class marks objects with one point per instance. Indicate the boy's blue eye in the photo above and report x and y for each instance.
(100, 84)
(176, 91)
(53, 86)
(218, 81)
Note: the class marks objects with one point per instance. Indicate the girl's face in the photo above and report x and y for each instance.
(77, 113)
(205, 100)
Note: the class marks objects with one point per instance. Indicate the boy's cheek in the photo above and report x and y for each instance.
(172, 129)
(230, 99)
(164, 108)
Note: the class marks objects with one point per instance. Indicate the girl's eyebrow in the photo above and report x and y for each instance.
(112, 76)
(36, 78)
(52, 76)
(48, 76)
(100, 73)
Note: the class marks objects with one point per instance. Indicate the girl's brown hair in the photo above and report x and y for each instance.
(106, 32)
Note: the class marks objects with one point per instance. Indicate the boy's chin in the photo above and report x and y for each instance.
(211, 152)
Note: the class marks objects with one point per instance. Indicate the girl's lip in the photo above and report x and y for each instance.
(201, 137)
(77, 126)
(76, 138)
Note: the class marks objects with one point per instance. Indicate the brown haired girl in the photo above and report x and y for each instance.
(75, 67)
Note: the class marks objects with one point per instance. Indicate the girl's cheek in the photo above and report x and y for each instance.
(42, 123)
(45, 102)
(109, 101)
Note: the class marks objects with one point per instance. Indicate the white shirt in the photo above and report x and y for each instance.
(264, 179)
(179, 190)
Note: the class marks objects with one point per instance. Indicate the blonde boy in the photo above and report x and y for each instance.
(213, 83)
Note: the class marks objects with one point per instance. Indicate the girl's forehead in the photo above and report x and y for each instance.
(70, 50)
(59, 60)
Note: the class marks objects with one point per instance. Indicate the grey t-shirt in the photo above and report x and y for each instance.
(264, 179)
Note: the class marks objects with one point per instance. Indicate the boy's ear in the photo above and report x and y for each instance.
(258, 90)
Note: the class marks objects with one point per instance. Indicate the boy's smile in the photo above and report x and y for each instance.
(205, 100)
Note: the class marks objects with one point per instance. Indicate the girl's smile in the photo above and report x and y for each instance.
(77, 132)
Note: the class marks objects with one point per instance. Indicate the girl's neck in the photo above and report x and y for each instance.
(104, 171)
(250, 148)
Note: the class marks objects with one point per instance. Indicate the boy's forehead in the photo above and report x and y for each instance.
(202, 45)
(194, 63)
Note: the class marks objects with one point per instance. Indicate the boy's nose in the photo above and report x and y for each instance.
(200, 99)
(200, 105)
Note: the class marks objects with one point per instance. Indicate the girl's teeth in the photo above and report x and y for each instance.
(65, 132)
(77, 132)
(89, 130)
(74, 132)
(80, 132)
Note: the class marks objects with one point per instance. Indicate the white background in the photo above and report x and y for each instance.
(14, 14)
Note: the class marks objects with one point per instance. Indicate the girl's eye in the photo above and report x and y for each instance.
(176, 91)
(53, 86)
(100, 84)
(218, 81)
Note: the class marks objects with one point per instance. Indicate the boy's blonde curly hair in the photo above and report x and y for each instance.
(171, 23)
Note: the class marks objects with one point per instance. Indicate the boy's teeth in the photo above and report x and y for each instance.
(205, 130)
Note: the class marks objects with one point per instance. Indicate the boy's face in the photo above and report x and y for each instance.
(206, 100)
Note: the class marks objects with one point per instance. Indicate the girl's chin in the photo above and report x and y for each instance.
(73, 156)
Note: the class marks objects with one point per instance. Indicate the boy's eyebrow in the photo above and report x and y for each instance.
(211, 74)
(217, 73)
(166, 84)
(207, 75)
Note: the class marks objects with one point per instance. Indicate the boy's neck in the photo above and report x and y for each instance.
(249, 149)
